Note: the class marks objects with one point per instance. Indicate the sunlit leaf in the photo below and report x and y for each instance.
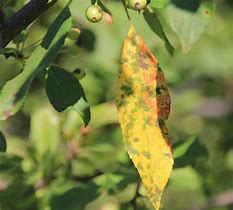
(45, 131)
(156, 26)
(158, 3)
(143, 104)
(13, 93)
(188, 19)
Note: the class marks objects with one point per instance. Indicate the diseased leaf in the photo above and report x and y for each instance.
(188, 19)
(13, 93)
(64, 90)
(143, 104)
(156, 26)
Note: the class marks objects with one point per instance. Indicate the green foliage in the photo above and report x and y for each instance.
(189, 152)
(188, 19)
(154, 22)
(64, 90)
(54, 162)
(13, 93)
(158, 3)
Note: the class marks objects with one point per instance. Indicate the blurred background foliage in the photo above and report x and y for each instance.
(54, 163)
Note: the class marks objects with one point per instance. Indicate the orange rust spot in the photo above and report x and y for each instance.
(150, 79)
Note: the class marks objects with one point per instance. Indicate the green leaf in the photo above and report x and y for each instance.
(3, 145)
(13, 93)
(188, 19)
(82, 167)
(104, 8)
(20, 38)
(75, 198)
(156, 26)
(45, 134)
(83, 109)
(10, 163)
(64, 90)
(188, 152)
(158, 3)
(12, 51)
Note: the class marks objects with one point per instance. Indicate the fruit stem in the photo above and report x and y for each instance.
(126, 10)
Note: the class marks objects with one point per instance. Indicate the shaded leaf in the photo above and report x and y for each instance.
(64, 90)
(156, 26)
(3, 145)
(188, 152)
(188, 19)
(9, 51)
(75, 198)
(45, 131)
(143, 105)
(10, 163)
(13, 93)
(104, 8)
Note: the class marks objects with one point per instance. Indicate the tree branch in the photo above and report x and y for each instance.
(20, 20)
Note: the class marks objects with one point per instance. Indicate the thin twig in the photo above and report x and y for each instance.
(126, 10)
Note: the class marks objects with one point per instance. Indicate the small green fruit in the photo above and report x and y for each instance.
(73, 50)
(94, 13)
(74, 33)
(137, 4)
(79, 73)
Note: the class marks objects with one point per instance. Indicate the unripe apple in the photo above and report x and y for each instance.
(137, 4)
(94, 13)
(74, 33)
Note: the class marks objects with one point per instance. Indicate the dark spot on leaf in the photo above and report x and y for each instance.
(77, 71)
(147, 155)
(139, 166)
(127, 90)
(158, 90)
(136, 139)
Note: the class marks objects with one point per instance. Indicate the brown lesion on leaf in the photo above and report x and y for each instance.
(139, 166)
(141, 61)
(147, 155)
(136, 139)
(132, 151)
(163, 103)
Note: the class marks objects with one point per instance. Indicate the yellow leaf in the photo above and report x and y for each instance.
(143, 103)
